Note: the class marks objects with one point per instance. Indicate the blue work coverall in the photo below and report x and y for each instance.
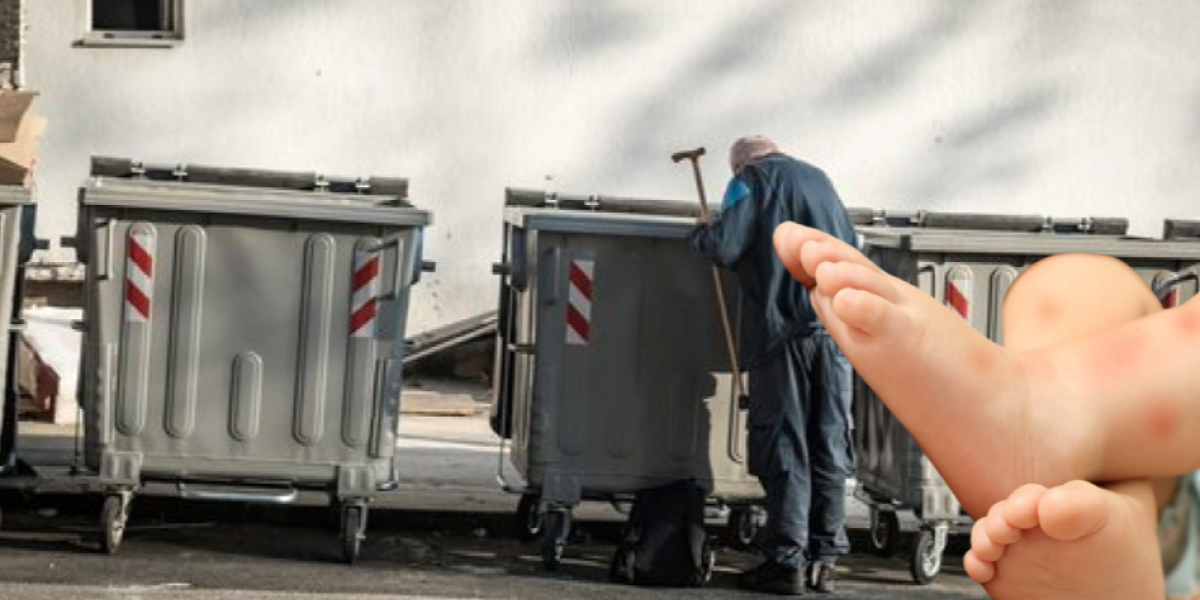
(800, 382)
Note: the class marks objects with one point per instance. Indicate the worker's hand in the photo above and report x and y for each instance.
(704, 219)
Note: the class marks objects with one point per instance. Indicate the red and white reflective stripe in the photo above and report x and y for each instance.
(139, 276)
(579, 306)
(959, 285)
(1171, 299)
(364, 294)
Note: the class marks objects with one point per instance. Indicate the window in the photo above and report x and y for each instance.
(155, 23)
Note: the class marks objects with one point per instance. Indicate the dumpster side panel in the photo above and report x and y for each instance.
(525, 282)
(630, 384)
(11, 200)
(244, 347)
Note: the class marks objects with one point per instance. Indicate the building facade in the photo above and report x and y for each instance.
(1065, 108)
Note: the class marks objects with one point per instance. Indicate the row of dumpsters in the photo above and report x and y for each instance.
(244, 335)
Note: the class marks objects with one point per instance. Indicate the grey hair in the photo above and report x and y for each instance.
(749, 148)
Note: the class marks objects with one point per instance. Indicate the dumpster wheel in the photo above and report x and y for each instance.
(926, 560)
(557, 523)
(743, 527)
(530, 520)
(354, 528)
(708, 562)
(621, 569)
(885, 532)
(113, 518)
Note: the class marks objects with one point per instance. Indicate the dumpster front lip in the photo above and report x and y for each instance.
(1010, 243)
(600, 223)
(254, 202)
(14, 195)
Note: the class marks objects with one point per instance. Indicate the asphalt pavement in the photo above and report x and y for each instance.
(448, 532)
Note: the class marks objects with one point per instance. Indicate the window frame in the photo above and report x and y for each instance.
(114, 38)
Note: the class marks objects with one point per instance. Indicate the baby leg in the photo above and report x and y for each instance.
(979, 424)
(1110, 406)
(1075, 541)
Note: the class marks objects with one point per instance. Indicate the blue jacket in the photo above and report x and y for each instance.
(772, 190)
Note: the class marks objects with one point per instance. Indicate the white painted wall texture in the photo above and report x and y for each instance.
(1063, 107)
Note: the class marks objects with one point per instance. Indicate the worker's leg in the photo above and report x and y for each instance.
(829, 446)
(778, 457)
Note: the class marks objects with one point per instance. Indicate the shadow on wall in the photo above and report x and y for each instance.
(973, 151)
(972, 154)
(682, 100)
(679, 96)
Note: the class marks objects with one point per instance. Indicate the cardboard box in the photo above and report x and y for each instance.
(17, 156)
(20, 131)
(13, 107)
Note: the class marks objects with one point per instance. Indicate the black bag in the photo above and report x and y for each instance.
(664, 542)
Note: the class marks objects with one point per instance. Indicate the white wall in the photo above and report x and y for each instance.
(1066, 107)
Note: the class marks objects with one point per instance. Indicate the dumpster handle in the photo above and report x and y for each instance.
(550, 295)
(104, 266)
(502, 477)
(1164, 287)
(275, 496)
(402, 274)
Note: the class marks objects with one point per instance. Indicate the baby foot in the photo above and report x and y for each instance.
(966, 401)
(1075, 541)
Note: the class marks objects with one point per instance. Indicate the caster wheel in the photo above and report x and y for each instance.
(354, 527)
(113, 518)
(926, 560)
(708, 560)
(885, 532)
(744, 527)
(554, 537)
(621, 570)
(529, 517)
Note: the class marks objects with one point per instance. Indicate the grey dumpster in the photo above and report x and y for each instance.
(970, 271)
(16, 235)
(244, 342)
(612, 373)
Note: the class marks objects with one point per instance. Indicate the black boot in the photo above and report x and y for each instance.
(821, 576)
(772, 578)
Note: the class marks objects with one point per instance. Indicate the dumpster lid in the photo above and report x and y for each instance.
(532, 198)
(596, 203)
(600, 223)
(124, 168)
(251, 201)
(14, 195)
(1181, 229)
(1011, 243)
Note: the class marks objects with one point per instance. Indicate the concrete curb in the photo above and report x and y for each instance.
(438, 404)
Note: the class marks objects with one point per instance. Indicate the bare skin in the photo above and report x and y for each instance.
(1107, 407)
(1076, 541)
(1072, 542)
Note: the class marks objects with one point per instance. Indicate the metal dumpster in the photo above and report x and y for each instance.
(244, 333)
(612, 373)
(17, 242)
(970, 269)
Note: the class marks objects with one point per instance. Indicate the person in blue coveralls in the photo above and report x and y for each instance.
(800, 382)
